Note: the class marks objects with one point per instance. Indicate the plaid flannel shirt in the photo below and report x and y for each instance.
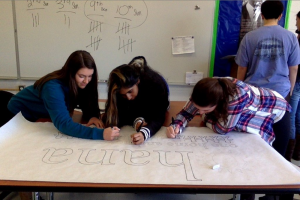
(251, 110)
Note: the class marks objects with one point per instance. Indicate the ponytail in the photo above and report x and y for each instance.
(228, 90)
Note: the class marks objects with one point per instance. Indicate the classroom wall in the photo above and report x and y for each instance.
(294, 9)
(44, 33)
(8, 61)
(113, 32)
(177, 92)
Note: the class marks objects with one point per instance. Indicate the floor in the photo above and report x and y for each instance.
(138, 196)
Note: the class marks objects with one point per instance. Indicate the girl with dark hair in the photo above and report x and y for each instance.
(137, 96)
(57, 94)
(227, 104)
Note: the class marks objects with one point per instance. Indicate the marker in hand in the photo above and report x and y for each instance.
(133, 138)
(111, 133)
(141, 125)
(173, 123)
(114, 128)
(173, 129)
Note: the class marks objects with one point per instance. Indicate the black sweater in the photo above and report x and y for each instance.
(151, 103)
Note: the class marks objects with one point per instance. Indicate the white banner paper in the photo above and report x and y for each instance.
(39, 152)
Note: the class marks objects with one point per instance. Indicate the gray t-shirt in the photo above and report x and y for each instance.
(268, 52)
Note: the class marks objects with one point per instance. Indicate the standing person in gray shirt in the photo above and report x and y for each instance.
(268, 57)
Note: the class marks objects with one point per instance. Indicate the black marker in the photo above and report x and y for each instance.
(173, 123)
(138, 130)
(141, 125)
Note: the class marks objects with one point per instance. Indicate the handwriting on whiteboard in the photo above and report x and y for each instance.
(98, 15)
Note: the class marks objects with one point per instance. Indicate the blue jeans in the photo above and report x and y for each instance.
(295, 114)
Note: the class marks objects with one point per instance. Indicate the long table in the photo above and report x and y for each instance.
(271, 158)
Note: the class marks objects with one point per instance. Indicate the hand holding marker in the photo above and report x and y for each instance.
(111, 133)
(138, 138)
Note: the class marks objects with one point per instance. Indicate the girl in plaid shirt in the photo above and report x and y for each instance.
(227, 104)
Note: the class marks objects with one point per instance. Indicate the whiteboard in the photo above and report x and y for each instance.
(113, 32)
(8, 64)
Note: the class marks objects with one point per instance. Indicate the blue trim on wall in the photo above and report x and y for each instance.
(227, 43)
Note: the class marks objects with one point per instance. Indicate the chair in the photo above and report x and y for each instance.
(4, 118)
(6, 115)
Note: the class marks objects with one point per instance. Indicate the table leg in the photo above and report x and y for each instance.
(49, 196)
(236, 197)
(35, 196)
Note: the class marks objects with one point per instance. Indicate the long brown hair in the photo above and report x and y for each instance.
(123, 76)
(76, 61)
(126, 76)
(214, 92)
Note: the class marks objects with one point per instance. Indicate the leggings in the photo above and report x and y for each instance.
(282, 131)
